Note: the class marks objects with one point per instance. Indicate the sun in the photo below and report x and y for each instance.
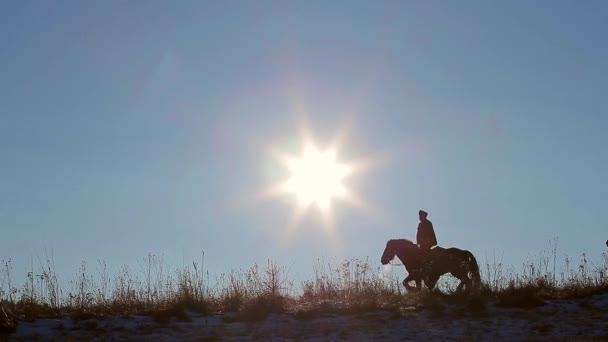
(316, 177)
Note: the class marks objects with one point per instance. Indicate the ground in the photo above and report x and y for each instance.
(568, 320)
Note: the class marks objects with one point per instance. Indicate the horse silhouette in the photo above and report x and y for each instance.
(431, 264)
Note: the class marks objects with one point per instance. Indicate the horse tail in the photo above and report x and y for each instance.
(474, 268)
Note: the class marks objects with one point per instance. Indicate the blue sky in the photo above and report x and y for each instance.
(133, 127)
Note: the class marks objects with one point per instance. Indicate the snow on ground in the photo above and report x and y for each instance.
(581, 319)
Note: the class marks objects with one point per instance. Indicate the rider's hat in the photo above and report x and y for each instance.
(423, 213)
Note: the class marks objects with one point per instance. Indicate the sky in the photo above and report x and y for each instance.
(136, 127)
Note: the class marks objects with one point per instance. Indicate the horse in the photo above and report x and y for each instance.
(432, 264)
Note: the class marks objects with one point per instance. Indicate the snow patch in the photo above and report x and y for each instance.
(558, 319)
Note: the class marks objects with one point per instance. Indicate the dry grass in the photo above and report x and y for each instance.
(542, 279)
(348, 288)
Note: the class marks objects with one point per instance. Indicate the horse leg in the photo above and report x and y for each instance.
(431, 281)
(406, 282)
(408, 279)
(464, 280)
(468, 284)
(460, 286)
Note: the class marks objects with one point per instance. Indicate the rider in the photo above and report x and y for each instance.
(425, 238)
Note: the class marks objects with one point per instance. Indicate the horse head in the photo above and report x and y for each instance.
(399, 248)
(389, 252)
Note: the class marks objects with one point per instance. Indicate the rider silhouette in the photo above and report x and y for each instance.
(425, 238)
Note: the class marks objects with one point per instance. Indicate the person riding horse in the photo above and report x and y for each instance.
(425, 263)
(438, 261)
(425, 237)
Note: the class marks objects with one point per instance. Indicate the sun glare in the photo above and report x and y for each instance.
(316, 177)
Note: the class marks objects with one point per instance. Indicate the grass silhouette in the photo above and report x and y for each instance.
(349, 287)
